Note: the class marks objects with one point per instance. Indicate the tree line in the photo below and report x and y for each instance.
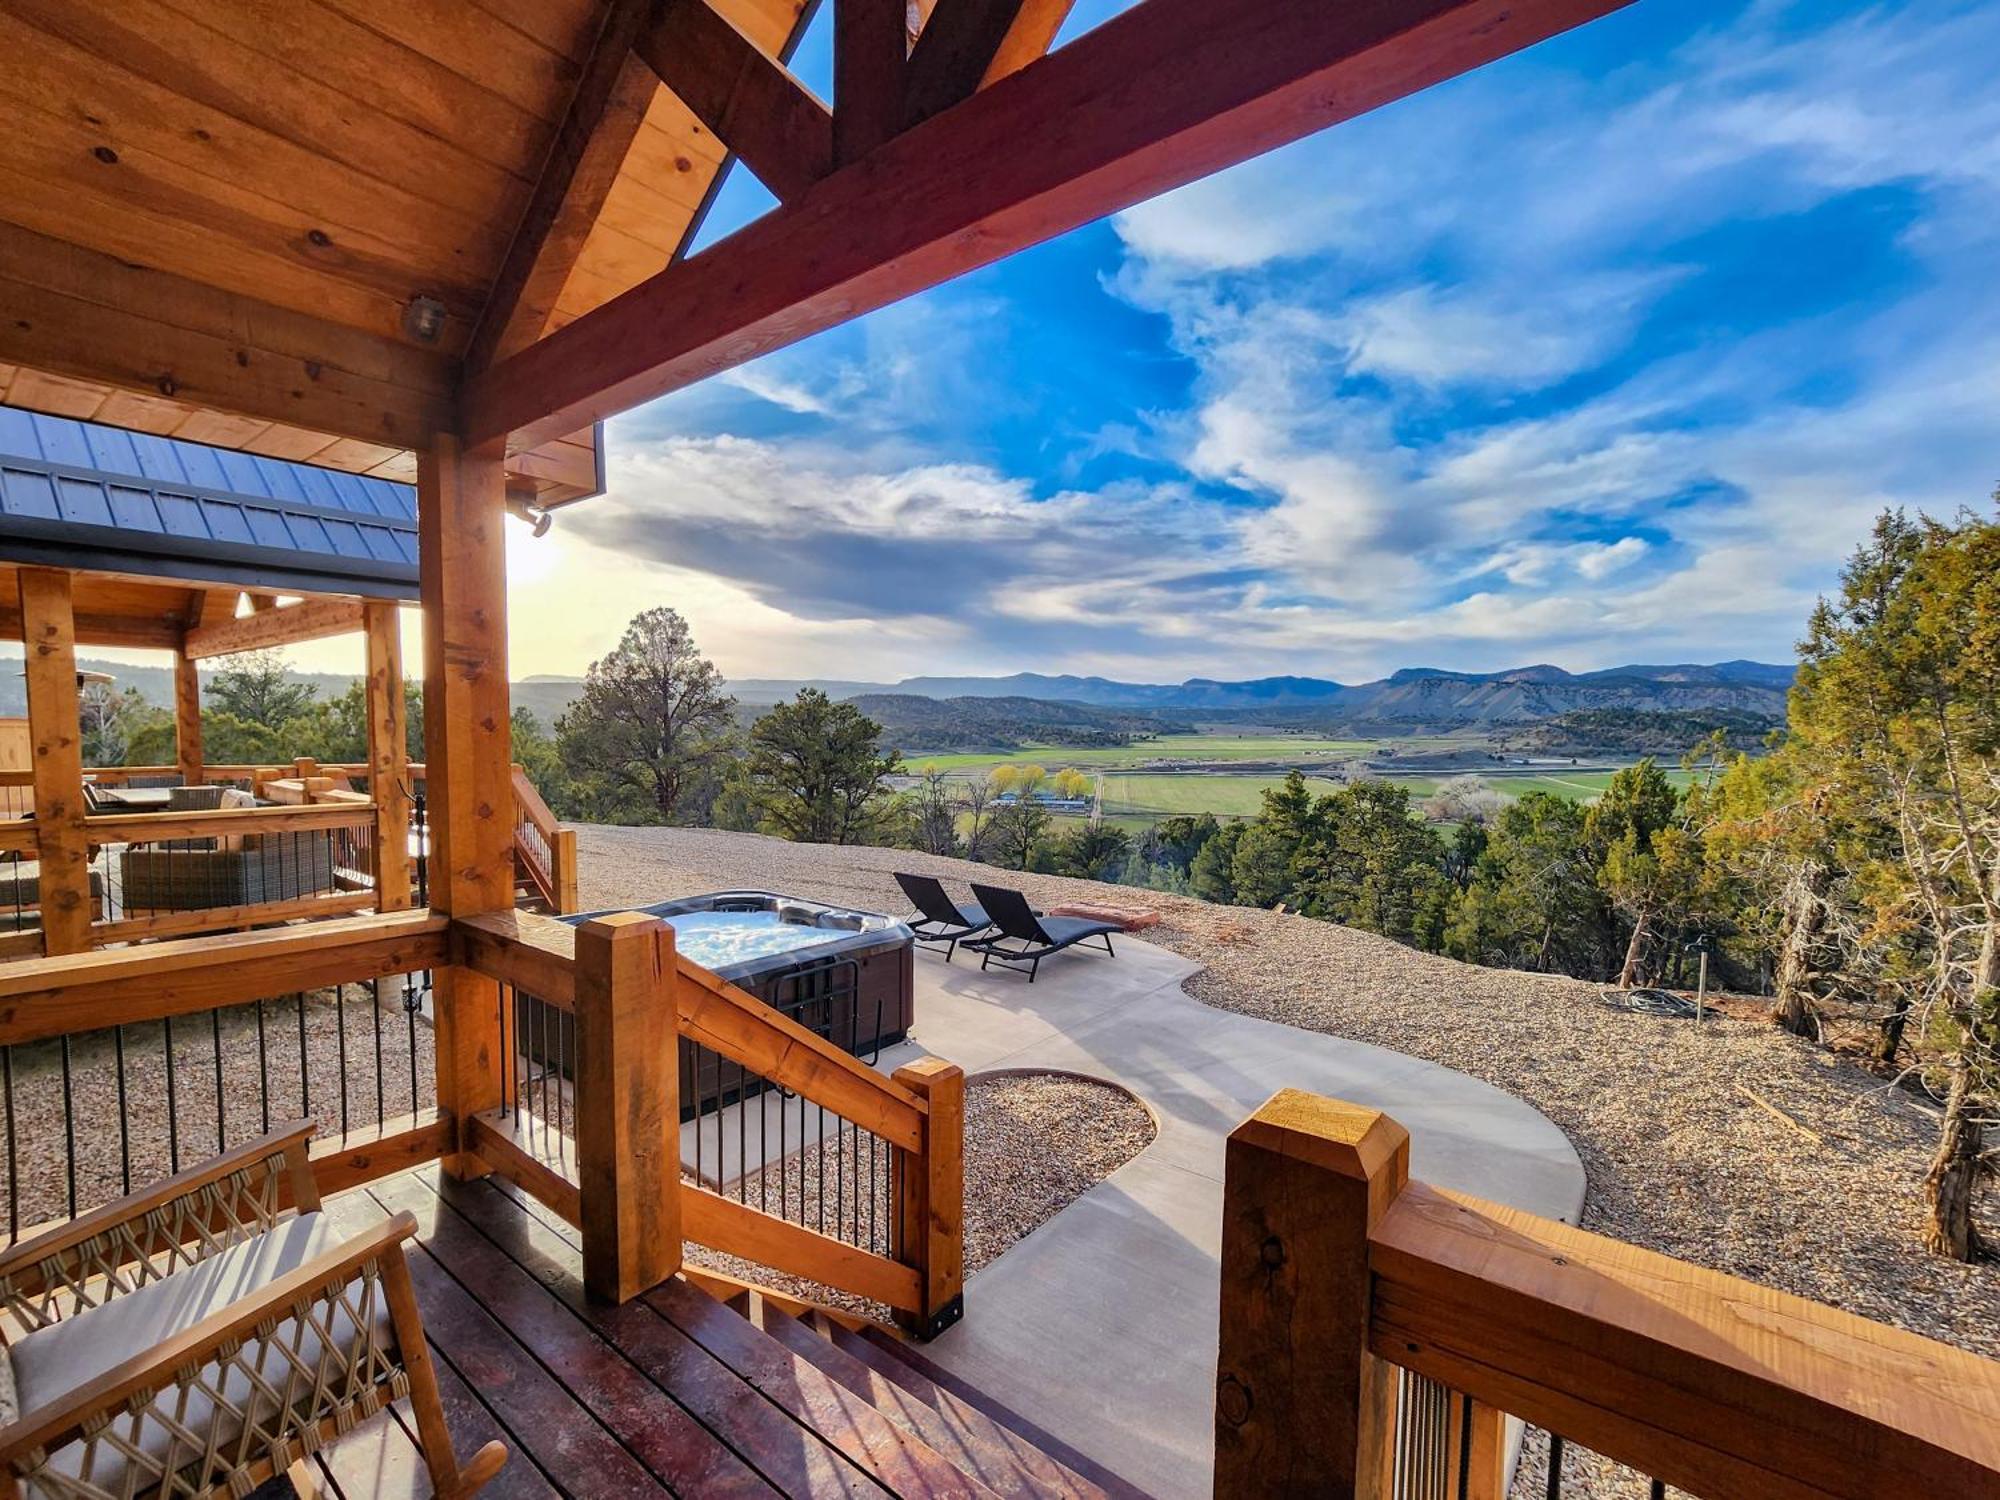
(1850, 869)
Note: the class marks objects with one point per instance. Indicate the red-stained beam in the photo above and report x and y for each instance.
(870, 48)
(754, 106)
(953, 52)
(1167, 92)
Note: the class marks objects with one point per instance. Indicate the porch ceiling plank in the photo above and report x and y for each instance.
(753, 104)
(605, 114)
(75, 313)
(870, 55)
(957, 46)
(312, 620)
(1165, 93)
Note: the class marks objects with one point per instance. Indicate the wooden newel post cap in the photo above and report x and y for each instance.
(1350, 1139)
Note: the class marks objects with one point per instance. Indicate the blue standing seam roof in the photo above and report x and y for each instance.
(131, 498)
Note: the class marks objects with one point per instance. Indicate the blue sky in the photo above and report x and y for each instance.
(1605, 353)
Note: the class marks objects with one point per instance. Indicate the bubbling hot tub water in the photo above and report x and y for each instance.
(720, 939)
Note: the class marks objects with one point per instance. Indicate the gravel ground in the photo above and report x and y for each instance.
(341, 1037)
(1819, 1193)
(1034, 1144)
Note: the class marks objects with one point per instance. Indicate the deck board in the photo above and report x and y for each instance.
(591, 1400)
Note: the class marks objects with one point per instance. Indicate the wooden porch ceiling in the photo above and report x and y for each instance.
(329, 230)
(199, 621)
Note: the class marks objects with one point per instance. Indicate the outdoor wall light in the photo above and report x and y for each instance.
(538, 520)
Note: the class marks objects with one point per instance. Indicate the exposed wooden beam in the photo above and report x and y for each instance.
(605, 113)
(1032, 34)
(462, 548)
(1167, 92)
(92, 629)
(55, 732)
(753, 104)
(388, 755)
(187, 718)
(73, 312)
(870, 53)
(952, 54)
(312, 620)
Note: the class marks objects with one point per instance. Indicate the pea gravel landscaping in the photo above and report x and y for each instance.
(1731, 1145)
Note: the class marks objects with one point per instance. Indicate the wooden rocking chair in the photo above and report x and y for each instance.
(195, 1339)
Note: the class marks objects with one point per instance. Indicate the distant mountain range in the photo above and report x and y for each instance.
(1416, 697)
(1429, 695)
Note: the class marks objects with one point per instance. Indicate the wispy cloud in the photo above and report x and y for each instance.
(1585, 357)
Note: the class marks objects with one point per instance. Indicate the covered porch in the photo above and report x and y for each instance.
(444, 244)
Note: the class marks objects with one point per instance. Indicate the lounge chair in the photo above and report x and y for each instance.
(939, 918)
(197, 1339)
(1025, 939)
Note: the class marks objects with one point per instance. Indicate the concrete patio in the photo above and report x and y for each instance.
(1122, 1285)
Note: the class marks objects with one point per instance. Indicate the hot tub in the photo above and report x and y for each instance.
(842, 974)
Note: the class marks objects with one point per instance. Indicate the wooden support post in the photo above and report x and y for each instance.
(563, 853)
(1475, 1469)
(388, 756)
(187, 718)
(628, 1141)
(1301, 1406)
(55, 729)
(932, 1190)
(462, 564)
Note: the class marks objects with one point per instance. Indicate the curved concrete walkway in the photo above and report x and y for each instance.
(1101, 1325)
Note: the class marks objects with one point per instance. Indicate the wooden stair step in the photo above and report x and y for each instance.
(846, 1419)
(1004, 1461)
(912, 1360)
(976, 1428)
(665, 1397)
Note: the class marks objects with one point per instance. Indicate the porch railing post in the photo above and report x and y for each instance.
(627, 1104)
(930, 1187)
(55, 731)
(1301, 1406)
(388, 756)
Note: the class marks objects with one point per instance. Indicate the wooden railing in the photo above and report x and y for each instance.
(544, 850)
(1350, 1293)
(119, 1067)
(599, 1024)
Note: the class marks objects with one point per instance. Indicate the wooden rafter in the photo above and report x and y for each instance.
(753, 104)
(952, 54)
(1036, 23)
(310, 620)
(870, 49)
(604, 117)
(1165, 93)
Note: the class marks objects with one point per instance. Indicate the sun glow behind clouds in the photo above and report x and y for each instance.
(1607, 352)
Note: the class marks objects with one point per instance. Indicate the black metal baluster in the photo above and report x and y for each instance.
(1555, 1487)
(375, 1012)
(413, 1000)
(742, 1134)
(221, 1110)
(305, 1072)
(13, 1154)
(340, 1025)
(1658, 1490)
(124, 1119)
(69, 1126)
(173, 1097)
(263, 1070)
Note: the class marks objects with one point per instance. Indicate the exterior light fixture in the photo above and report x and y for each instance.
(423, 319)
(537, 520)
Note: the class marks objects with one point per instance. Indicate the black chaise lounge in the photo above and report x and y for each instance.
(939, 918)
(1025, 939)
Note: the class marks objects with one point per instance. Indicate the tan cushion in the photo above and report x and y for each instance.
(235, 797)
(54, 1361)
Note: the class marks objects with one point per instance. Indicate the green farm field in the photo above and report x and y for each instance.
(1177, 747)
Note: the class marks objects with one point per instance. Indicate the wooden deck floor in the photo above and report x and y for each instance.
(645, 1399)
